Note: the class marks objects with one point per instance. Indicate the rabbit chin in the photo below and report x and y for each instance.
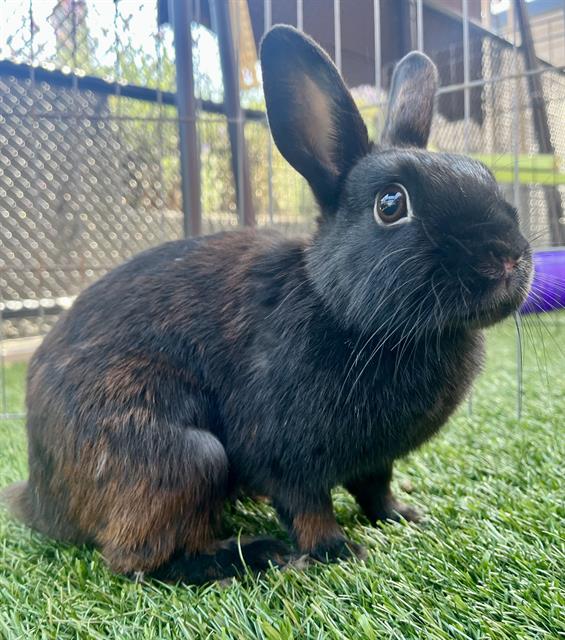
(501, 300)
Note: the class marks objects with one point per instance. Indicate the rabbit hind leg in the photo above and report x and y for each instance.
(173, 504)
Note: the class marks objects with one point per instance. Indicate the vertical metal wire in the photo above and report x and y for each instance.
(41, 315)
(515, 114)
(549, 40)
(117, 69)
(74, 40)
(466, 111)
(489, 89)
(420, 24)
(300, 15)
(466, 74)
(197, 19)
(377, 43)
(337, 33)
(268, 22)
(31, 47)
(563, 27)
(73, 175)
(519, 365)
(2, 360)
(377, 34)
(4, 403)
(198, 120)
(300, 27)
(240, 122)
(267, 15)
(516, 198)
(196, 13)
(159, 54)
(33, 122)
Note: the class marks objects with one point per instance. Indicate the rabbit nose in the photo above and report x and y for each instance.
(508, 255)
(509, 264)
(512, 258)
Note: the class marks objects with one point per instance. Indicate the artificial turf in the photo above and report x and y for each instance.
(488, 563)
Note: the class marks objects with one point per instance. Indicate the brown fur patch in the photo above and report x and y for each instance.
(144, 527)
(315, 528)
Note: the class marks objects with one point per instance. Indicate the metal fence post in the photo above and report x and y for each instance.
(236, 121)
(181, 15)
(337, 33)
(540, 121)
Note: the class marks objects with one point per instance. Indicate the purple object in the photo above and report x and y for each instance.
(548, 288)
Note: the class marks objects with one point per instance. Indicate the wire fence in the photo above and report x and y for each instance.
(89, 134)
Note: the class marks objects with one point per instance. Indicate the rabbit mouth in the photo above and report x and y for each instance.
(504, 290)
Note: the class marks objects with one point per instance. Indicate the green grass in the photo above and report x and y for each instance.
(489, 562)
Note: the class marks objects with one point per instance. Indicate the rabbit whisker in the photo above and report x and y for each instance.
(377, 330)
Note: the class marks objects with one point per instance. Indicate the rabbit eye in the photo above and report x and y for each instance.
(392, 205)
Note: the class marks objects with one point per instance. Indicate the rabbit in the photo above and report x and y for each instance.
(249, 362)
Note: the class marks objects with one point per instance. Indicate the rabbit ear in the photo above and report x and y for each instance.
(411, 102)
(313, 118)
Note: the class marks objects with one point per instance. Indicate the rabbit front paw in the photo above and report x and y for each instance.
(338, 549)
(397, 511)
(378, 503)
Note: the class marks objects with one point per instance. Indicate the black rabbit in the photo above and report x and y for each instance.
(245, 361)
